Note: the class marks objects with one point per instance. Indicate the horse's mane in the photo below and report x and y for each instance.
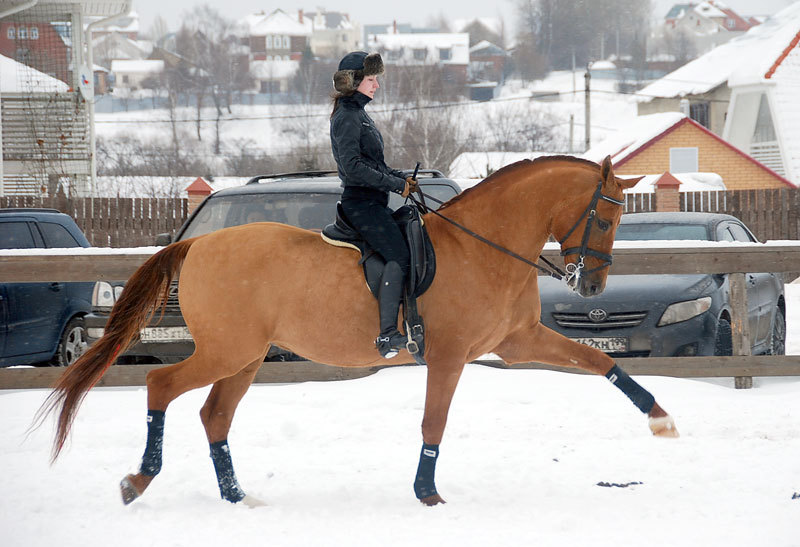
(513, 168)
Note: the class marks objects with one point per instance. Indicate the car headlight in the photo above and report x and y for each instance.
(681, 311)
(103, 295)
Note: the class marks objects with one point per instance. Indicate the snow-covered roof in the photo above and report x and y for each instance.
(279, 22)
(479, 165)
(457, 42)
(710, 10)
(632, 137)
(140, 66)
(273, 70)
(19, 78)
(746, 58)
(690, 182)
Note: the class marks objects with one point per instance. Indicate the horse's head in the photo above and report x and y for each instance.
(586, 231)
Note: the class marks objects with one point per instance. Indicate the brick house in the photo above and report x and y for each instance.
(38, 45)
(672, 142)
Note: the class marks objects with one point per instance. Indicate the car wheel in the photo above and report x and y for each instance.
(724, 341)
(72, 343)
(777, 342)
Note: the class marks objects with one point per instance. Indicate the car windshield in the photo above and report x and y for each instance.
(648, 231)
(307, 210)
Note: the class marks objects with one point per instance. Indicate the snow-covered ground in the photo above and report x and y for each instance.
(520, 465)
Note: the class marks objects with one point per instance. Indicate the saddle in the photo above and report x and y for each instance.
(423, 264)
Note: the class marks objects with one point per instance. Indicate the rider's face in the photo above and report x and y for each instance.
(368, 86)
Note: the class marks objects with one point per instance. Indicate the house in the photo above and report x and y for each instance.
(450, 51)
(707, 24)
(277, 36)
(487, 62)
(37, 44)
(131, 74)
(275, 75)
(481, 29)
(127, 26)
(113, 46)
(745, 91)
(672, 142)
(333, 34)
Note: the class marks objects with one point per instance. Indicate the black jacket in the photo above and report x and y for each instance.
(357, 147)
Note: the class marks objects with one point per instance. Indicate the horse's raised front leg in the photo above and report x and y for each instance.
(443, 378)
(544, 345)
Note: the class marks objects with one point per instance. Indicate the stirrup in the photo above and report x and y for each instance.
(390, 346)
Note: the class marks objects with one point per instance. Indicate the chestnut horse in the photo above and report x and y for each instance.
(245, 288)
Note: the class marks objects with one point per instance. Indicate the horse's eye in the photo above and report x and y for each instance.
(603, 225)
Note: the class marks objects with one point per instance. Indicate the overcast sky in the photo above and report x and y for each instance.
(417, 12)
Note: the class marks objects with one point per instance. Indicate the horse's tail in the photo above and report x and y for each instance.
(144, 292)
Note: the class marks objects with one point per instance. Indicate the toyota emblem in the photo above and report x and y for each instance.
(598, 315)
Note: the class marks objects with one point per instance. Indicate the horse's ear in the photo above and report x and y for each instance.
(605, 169)
(629, 183)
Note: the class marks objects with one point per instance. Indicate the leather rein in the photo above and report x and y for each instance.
(575, 269)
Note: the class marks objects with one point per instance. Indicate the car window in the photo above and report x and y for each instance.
(661, 232)
(307, 210)
(441, 192)
(723, 234)
(16, 235)
(739, 233)
(55, 235)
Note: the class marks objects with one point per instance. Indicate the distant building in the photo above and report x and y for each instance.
(705, 25)
(131, 74)
(277, 36)
(38, 45)
(333, 34)
(449, 51)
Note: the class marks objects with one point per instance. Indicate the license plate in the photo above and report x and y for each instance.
(164, 334)
(617, 343)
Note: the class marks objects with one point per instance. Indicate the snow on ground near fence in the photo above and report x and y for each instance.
(520, 465)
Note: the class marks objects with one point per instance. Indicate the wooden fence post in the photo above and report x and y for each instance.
(739, 324)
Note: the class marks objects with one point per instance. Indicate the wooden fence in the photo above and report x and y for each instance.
(114, 222)
(772, 214)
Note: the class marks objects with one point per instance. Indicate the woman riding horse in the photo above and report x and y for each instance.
(358, 150)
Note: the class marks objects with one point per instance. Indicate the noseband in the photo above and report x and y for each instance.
(575, 269)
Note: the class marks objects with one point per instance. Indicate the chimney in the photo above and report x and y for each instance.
(300, 15)
(667, 190)
(394, 26)
(198, 191)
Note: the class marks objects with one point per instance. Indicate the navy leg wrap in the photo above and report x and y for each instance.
(642, 398)
(424, 485)
(151, 460)
(229, 487)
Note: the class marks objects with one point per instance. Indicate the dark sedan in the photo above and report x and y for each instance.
(670, 315)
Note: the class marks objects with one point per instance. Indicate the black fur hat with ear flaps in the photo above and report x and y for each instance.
(353, 68)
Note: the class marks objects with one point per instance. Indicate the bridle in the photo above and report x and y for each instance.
(576, 269)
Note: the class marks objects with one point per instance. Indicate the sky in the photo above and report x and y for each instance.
(417, 12)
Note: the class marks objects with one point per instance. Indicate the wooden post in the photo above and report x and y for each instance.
(739, 324)
(667, 189)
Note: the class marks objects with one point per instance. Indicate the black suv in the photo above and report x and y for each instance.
(41, 322)
(307, 200)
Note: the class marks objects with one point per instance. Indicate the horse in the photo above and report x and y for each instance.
(245, 288)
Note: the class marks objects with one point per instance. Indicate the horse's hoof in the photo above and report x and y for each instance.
(430, 501)
(128, 490)
(663, 427)
(250, 501)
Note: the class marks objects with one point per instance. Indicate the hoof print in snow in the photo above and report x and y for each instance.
(618, 484)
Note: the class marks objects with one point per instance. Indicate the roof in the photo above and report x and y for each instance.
(493, 24)
(748, 57)
(457, 41)
(18, 78)
(278, 22)
(137, 65)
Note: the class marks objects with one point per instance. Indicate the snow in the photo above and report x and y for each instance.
(18, 78)
(129, 66)
(519, 465)
(636, 134)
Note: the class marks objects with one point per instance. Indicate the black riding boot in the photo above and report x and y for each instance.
(390, 341)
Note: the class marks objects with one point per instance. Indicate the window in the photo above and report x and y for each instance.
(11, 33)
(269, 42)
(22, 33)
(34, 33)
(765, 130)
(683, 160)
(420, 54)
(16, 235)
(285, 42)
(699, 113)
(445, 54)
(125, 79)
(57, 236)
(730, 22)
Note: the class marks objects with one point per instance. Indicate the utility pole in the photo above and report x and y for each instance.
(588, 109)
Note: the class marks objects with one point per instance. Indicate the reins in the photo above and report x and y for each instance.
(574, 270)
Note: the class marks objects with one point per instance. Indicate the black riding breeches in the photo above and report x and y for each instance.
(374, 222)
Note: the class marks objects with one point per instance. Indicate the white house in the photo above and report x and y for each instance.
(130, 74)
(333, 33)
(447, 50)
(277, 35)
(745, 90)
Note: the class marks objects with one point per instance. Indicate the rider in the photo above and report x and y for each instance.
(358, 150)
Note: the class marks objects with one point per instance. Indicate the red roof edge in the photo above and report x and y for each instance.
(199, 186)
(782, 56)
(667, 180)
(712, 135)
